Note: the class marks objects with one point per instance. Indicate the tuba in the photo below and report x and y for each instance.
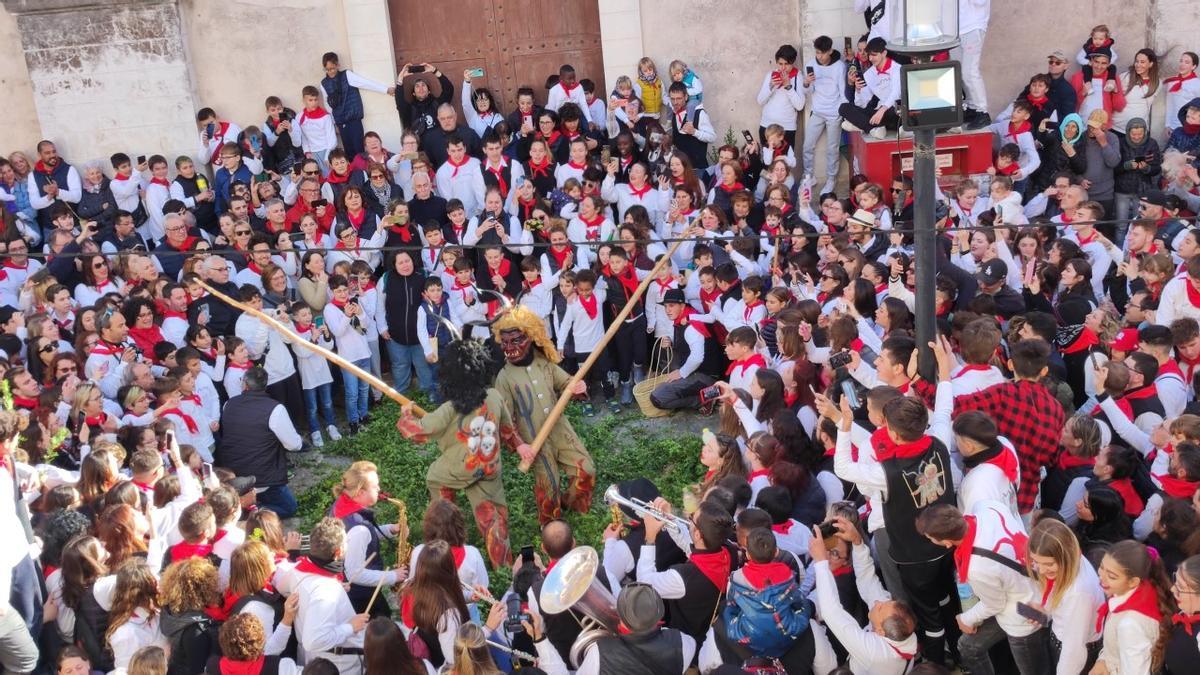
(573, 586)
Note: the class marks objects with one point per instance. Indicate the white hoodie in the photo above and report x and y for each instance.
(828, 90)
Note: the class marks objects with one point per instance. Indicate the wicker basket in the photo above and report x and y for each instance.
(656, 375)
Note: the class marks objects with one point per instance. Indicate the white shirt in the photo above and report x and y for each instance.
(974, 15)
(828, 89)
(622, 194)
(473, 570)
(323, 620)
(1174, 303)
(1129, 639)
(586, 329)
(780, 105)
(313, 368)
(141, 630)
(1073, 619)
(351, 344)
(358, 538)
(558, 96)
(318, 134)
(1189, 90)
(884, 86)
(70, 193)
(987, 482)
(869, 651)
(464, 183)
(265, 342)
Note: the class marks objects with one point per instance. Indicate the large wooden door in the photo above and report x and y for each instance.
(517, 42)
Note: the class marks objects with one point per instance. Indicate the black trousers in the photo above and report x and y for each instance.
(861, 117)
(287, 392)
(628, 347)
(597, 376)
(933, 597)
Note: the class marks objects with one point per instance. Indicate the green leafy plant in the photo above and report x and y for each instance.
(624, 446)
(730, 139)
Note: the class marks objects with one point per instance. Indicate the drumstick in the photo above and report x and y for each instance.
(378, 587)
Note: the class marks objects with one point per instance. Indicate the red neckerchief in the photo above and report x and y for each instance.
(230, 667)
(307, 566)
(345, 506)
(530, 286)
(160, 181)
(503, 270)
(685, 319)
(589, 305)
(781, 151)
(856, 344)
(1191, 366)
(460, 554)
(1085, 241)
(744, 364)
(1177, 487)
(402, 231)
(1122, 404)
(1186, 620)
(628, 278)
(1084, 341)
(122, 176)
(1006, 461)
(784, 527)
(184, 550)
(568, 90)
(1193, 295)
(193, 398)
(1170, 367)
(356, 221)
(638, 193)
(239, 366)
(457, 165)
(463, 288)
(96, 421)
(708, 298)
(146, 338)
(188, 420)
(750, 309)
(887, 65)
(24, 403)
(1191, 129)
(664, 286)
(736, 187)
(341, 245)
(1176, 82)
(1133, 501)
(1144, 601)
(1015, 130)
(9, 264)
(1068, 461)
(593, 226)
(498, 172)
(761, 575)
(709, 474)
(559, 256)
(757, 473)
(253, 267)
(542, 169)
(971, 368)
(1009, 170)
(41, 167)
(552, 138)
(577, 167)
(962, 552)
(715, 566)
(336, 178)
(680, 115)
(1038, 102)
(886, 449)
(317, 114)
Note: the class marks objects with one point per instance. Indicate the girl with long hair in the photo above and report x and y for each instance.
(1136, 617)
(767, 399)
(190, 605)
(431, 603)
(123, 530)
(386, 651)
(84, 563)
(1069, 593)
(721, 456)
(444, 520)
(251, 569)
(133, 618)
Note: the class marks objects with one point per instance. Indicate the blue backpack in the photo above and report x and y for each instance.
(766, 621)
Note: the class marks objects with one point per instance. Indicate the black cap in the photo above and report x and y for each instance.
(1155, 197)
(6, 313)
(675, 296)
(640, 608)
(992, 272)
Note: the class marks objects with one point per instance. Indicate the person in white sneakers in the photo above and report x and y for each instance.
(877, 93)
(973, 18)
(824, 84)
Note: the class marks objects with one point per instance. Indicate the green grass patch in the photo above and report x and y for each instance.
(623, 446)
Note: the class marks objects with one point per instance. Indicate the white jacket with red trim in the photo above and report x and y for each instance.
(999, 587)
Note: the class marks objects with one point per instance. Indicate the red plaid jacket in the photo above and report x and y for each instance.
(1028, 415)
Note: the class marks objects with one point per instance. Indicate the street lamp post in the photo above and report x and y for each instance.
(930, 100)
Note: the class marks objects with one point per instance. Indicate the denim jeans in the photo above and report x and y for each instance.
(1030, 652)
(832, 129)
(279, 499)
(358, 392)
(406, 357)
(324, 395)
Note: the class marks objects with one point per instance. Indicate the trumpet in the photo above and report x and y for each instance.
(674, 523)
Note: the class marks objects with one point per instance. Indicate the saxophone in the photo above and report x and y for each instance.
(618, 518)
(403, 548)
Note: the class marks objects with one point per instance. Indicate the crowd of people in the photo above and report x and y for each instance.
(1032, 508)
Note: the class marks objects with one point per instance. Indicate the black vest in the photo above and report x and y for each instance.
(693, 613)
(205, 212)
(422, 211)
(433, 327)
(491, 181)
(360, 595)
(914, 484)
(1148, 404)
(284, 153)
(713, 355)
(59, 175)
(1182, 654)
(618, 296)
(1056, 482)
(91, 624)
(635, 538)
(248, 447)
(694, 148)
(402, 297)
(544, 184)
(656, 654)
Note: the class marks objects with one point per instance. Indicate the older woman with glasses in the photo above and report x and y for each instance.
(380, 190)
(97, 281)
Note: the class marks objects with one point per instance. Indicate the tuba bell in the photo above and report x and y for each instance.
(574, 586)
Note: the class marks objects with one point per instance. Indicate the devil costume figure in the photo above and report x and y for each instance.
(531, 383)
(469, 429)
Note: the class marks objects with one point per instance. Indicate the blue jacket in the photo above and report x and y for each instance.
(769, 620)
(344, 99)
(1183, 141)
(223, 183)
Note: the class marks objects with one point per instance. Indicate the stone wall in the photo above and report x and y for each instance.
(18, 116)
(107, 77)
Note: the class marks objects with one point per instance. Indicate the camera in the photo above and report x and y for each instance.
(839, 360)
(516, 614)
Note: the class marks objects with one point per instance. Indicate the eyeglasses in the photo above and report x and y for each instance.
(99, 265)
(310, 173)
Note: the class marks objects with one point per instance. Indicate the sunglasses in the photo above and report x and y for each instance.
(99, 265)
(241, 233)
(46, 348)
(310, 173)
(896, 189)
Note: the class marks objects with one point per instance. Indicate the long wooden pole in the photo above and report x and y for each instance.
(311, 346)
(565, 398)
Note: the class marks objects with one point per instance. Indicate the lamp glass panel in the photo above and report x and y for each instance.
(931, 89)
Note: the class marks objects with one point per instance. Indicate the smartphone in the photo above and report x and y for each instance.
(839, 360)
(205, 470)
(808, 69)
(319, 321)
(141, 160)
(210, 129)
(851, 393)
(747, 135)
(1029, 612)
(416, 69)
(320, 202)
(710, 394)
(1092, 358)
(476, 72)
(296, 237)
(605, 154)
(526, 554)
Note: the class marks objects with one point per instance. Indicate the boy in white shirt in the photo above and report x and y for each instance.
(158, 193)
(315, 378)
(782, 96)
(317, 128)
(534, 293)
(743, 361)
(584, 321)
(125, 183)
(461, 177)
(825, 84)
(345, 318)
(568, 89)
(876, 93)
(465, 300)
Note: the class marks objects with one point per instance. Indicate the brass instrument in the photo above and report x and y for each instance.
(618, 519)
(403, 548)
(572, 586)
(678, 525)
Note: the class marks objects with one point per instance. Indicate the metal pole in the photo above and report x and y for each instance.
(925, 244)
